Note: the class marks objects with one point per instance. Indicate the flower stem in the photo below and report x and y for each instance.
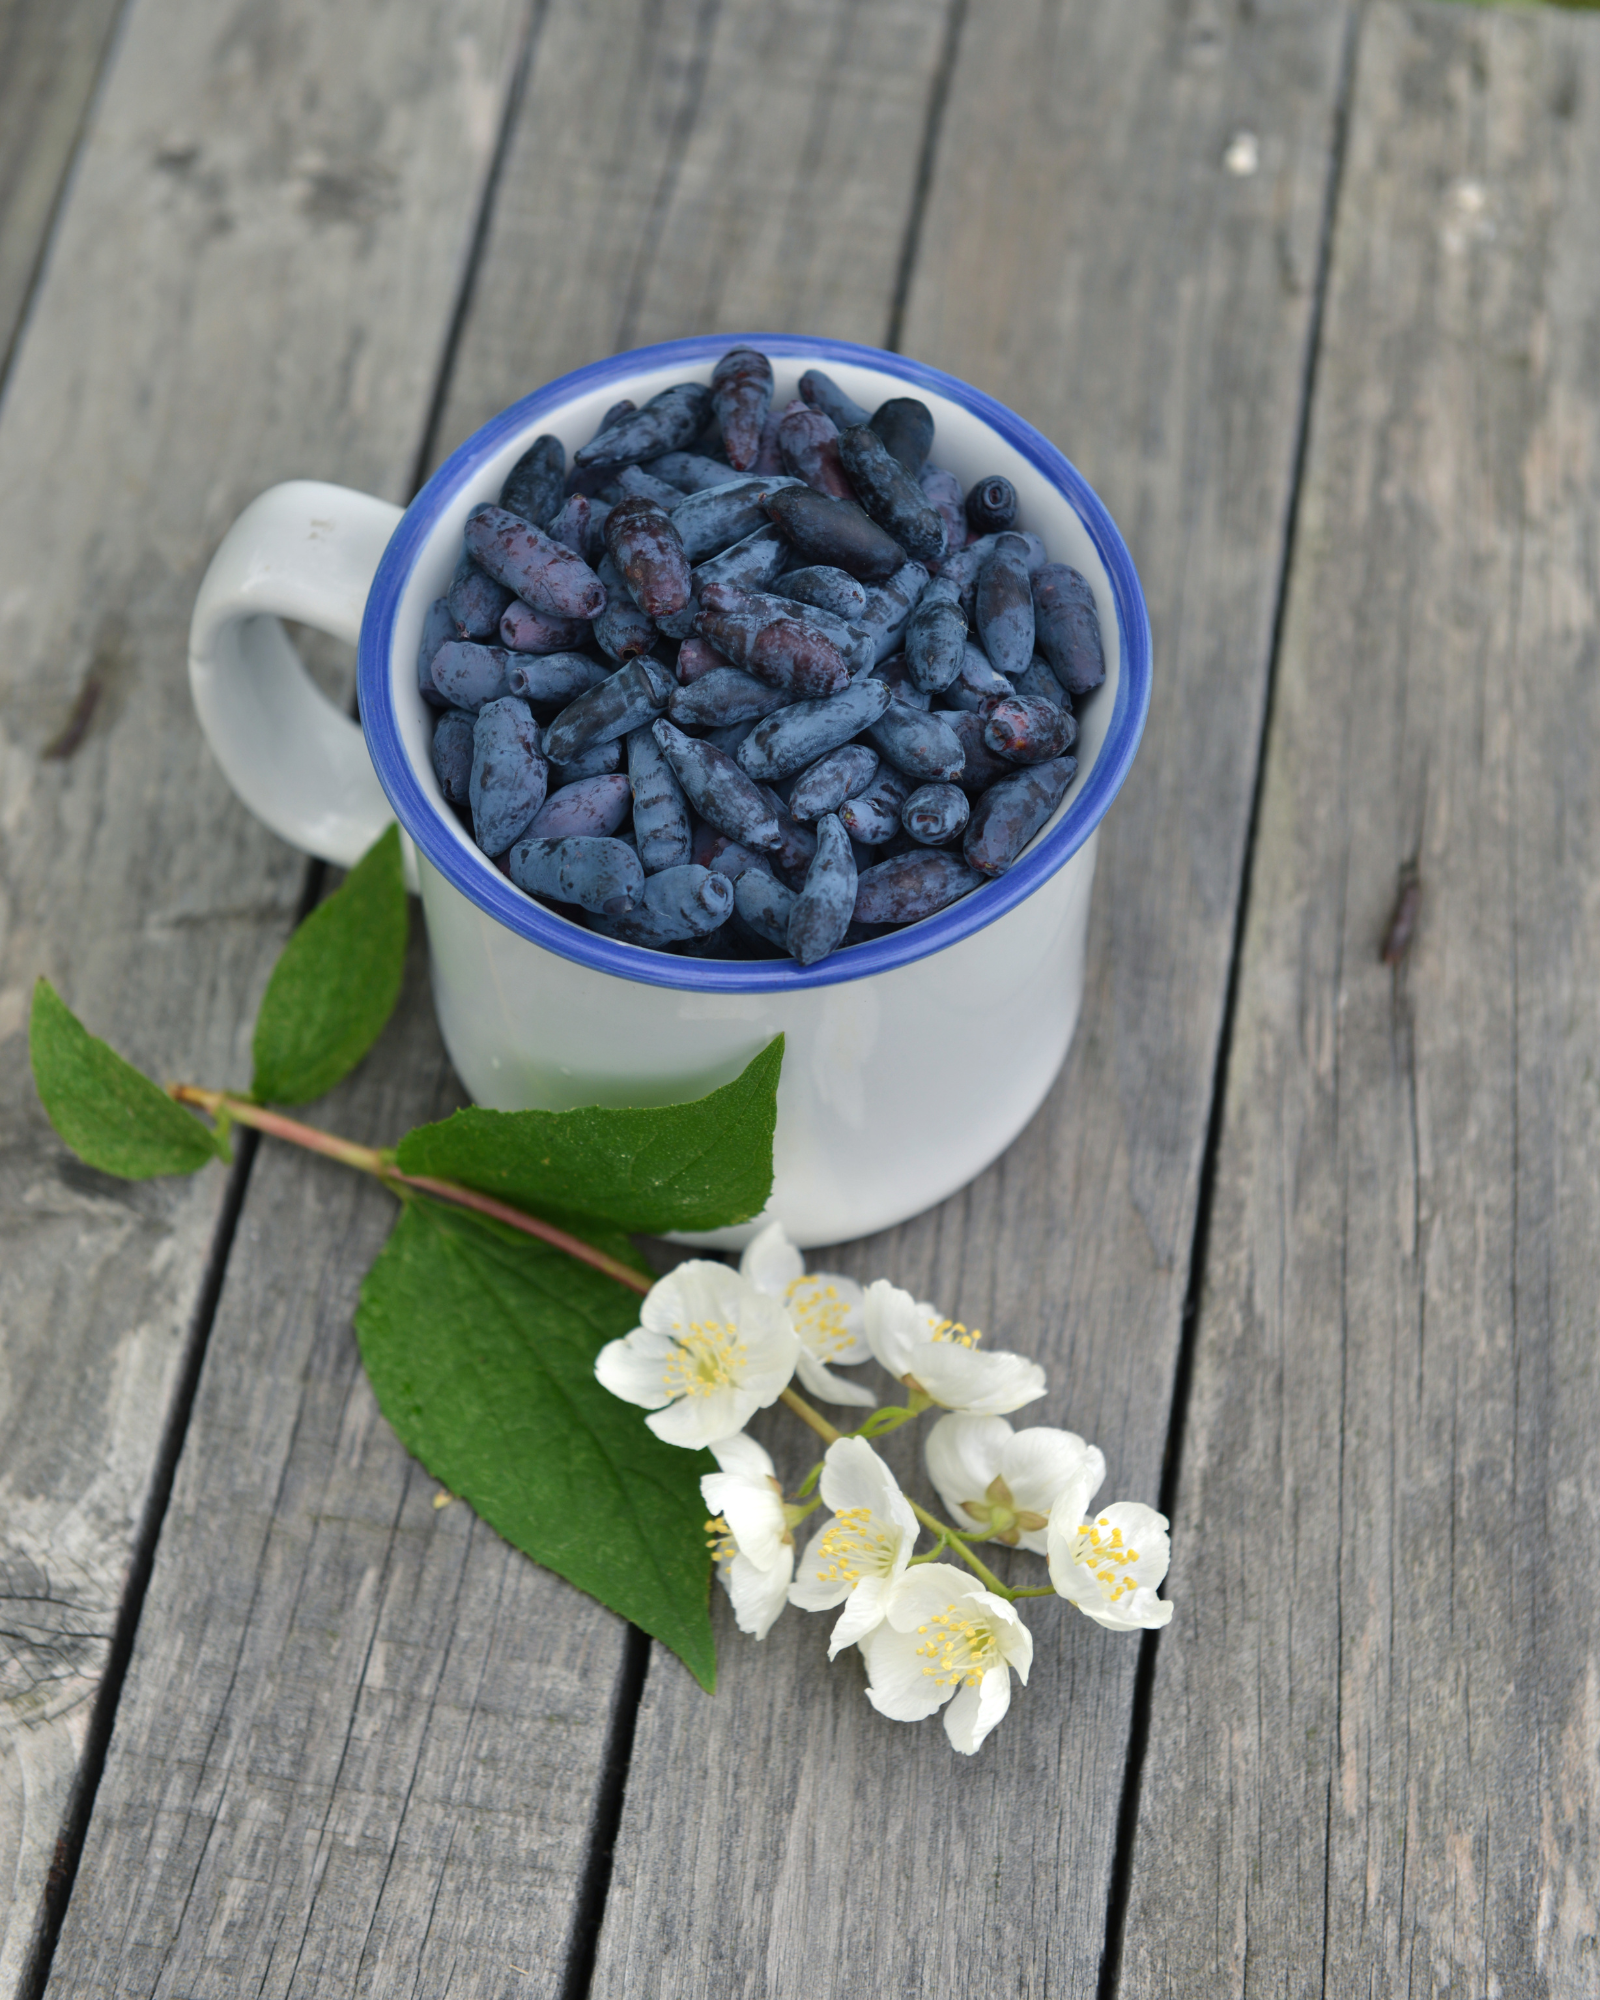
(807, 1415)
(371, 1160)
(1036, 1590)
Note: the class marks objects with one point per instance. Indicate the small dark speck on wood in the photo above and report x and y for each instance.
(1397, 939)
(61, 747)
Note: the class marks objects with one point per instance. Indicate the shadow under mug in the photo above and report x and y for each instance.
(911, 1060)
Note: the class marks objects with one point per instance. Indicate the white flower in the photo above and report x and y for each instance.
(709, 1352)
(858, 1555)
(993, 1478)
(825, 1308)
(1109, 1565)
(751, 1537)
(944, 1635)
(941, 1357)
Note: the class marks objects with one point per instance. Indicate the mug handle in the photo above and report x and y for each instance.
(308, 551)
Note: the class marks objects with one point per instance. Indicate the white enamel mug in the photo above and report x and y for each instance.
(911, 1060)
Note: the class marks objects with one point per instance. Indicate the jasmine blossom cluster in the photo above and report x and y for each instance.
(714, 1345)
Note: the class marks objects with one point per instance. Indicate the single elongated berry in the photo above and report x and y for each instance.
(786, 651)
(722, 696)
(668, 422)
(1069, 628)
(934, 815)
(645, 545)
(476, 601)
(1012, 811)
(808, 443)
(942, 491)
(1003, 607)
(689, 471)
(509, 775)
(580, 525)
(468, 675)
(794, 737)
(593, 872)
(981, 768)
(452, 754)
(537, 483)
(853, 643)
(835, 532)
(872, 816)
(660, 811)
(718, 790)
(1025, 730)
(825, 589)
(823, 393)
(622, 630)
(826, 784)
(918, 744)
(751, 564)
(824, 907)
(976, 682)
(769, 459)
(890, 605)
(796, 843)
(593, 807)
(763, 903)
(438, 629)
(713, 519)
(905, 427)
(542, 572)
(908, 887)
(962, 567)
(890, 495)
(678, 904)
(555, 678)
(741, 393)
(936, 638)
(634, 694)
(598, 761)
(633, 481)
(991, 506)
(525, 630)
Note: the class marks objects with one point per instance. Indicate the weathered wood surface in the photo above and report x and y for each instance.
(359, 1742)
(50, 55)
(252, 277)
(1372, 1757)
(1086, 257)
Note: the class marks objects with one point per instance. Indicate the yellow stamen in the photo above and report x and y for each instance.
(961, 1650)
(707, 1355)
(847, 1549)
(821, 1317)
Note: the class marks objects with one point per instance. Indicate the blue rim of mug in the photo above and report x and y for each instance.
(435, 832)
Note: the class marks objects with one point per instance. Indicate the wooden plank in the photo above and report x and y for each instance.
(358, 1742)
(50, 56)
(1371, 1761)
(737, 165)
(252, 277)
(1086, 257)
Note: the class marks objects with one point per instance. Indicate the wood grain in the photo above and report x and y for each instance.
(252, 277)
(359, 1742)
(738, 164)
(1372, 1758)
(1086, 257)
(50, 56)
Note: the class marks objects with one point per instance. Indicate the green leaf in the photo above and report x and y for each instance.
(480, 1344)
(108, 1112)
(700, 1165)
(335, 983)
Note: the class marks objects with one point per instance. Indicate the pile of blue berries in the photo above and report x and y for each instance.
(745, 682)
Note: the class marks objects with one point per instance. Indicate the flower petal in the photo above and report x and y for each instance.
(740, 1453)
(895, 1325)
(1141, 1612)
(697, 1421)
(922, 1593)
(758, 1594)
(862, 1613)
(753, 1510)
(1041, 1464)
(634, 1368)
(815, 1587)
(963, 1455)
(985, 1382)
(831, 1388)
(976, 1710)
(898, 1684)
(771, 1262)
